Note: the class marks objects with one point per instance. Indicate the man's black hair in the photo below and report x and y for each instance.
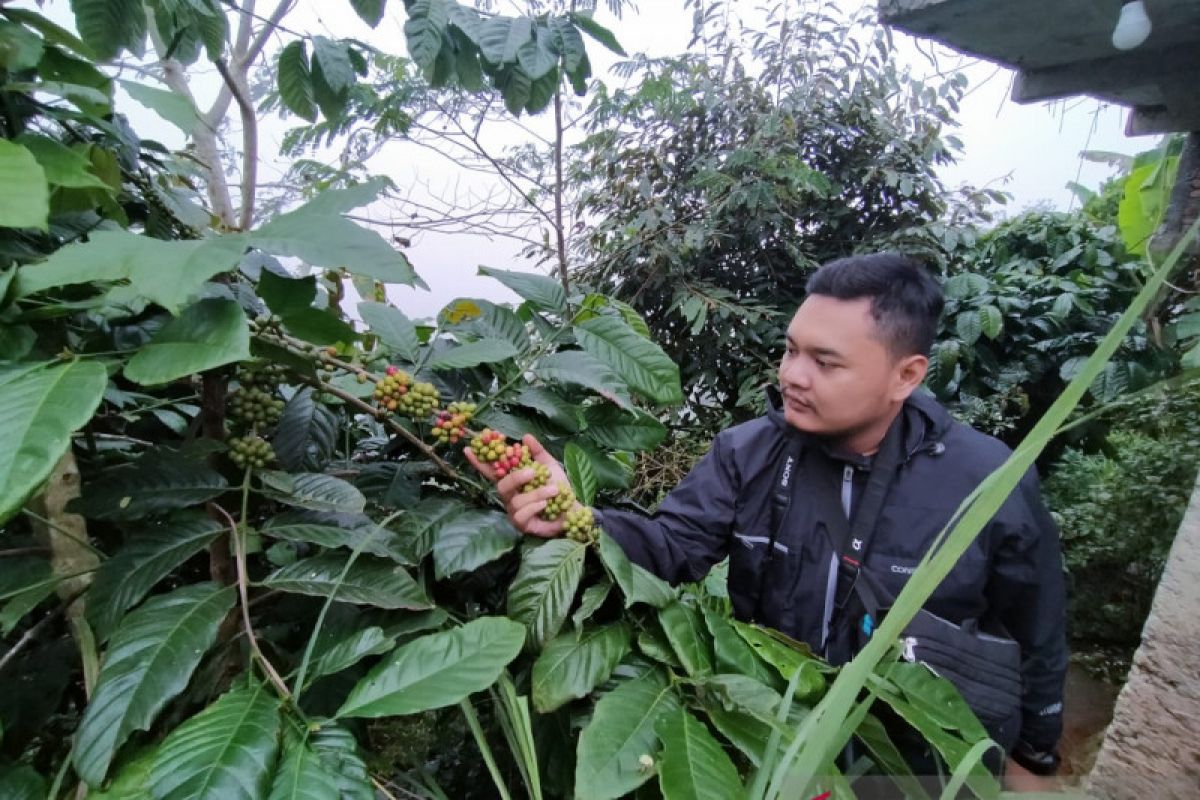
(906, 300)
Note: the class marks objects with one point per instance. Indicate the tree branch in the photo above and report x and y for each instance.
(236, 84)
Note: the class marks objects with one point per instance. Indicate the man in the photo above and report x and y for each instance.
(857, 351)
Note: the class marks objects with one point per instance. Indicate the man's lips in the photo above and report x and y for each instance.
(797, 403)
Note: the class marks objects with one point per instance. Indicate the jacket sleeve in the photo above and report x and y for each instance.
(1027, 590)
(691, 529)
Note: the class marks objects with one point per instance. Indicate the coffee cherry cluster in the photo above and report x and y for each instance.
(392, 388)
(250, 451)
(559, 504)
(421, 400)
(254, 407)
(452, 422)
(579, 525)
(489, 445)
(541, 476)
(266, 377)
(516, 456)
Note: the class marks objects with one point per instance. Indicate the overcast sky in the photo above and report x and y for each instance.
(1030, 151)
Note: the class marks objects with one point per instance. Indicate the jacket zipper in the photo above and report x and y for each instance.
(847, 489)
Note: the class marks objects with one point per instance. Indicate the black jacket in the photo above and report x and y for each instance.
(1011, 573)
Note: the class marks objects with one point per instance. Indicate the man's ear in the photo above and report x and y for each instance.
(909, 373)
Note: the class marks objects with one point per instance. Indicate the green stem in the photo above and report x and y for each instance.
(481, 740)
(540, 351)
(65, 533)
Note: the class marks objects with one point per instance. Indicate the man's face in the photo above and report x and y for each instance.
(837, 377)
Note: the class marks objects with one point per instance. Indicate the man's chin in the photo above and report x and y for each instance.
(803, 420)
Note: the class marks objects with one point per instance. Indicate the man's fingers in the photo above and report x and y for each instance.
(523, 516)
(511, 483)
(485, 470)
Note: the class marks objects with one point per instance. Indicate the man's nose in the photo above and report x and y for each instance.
(795, 374)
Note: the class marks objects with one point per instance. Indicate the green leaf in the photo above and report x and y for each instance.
(130, 781)
(338, 751)
(593, 597)
(173, 107)
(110, 26)
(572, 665)
(581, 369)
(637, 584)
(24, 193)
(501, 37)
(349, 650)
(226, 751)
(370, 580)
(580, 472)
(640, 363)
(425, 29)
(598, 32)
(965, 285)
(301, 776)
(63, 165)
(542, 292)
(313, 490)
(688, 637)
(20, 782)
(319, 326)
(394, 330)
(620, 732)
(746, 695)
(788, 660)
(352, 531)
(151, 485)
(694, 766)
(745, 732)
(537, 56)
(286, 296)
(437, 670)
(306, 434)
(39, 410)
(333, 57)
(150, 660)
(166, 273)
(295, 81)
(969, 327)
(541, 594)
(486, 321)
(317, 234)
(148, 557)
(550, 405)
(470, 540)
(369, 11)
(472, 354)
(208, 334)
(991, 321)
(420, 527)
(615, 429)
(732, 652)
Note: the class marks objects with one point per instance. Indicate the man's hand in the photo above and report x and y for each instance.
(524, 507)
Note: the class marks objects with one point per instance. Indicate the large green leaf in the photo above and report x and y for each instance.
(485, 320)
(373, 581)
(472, 354)
(317, 234)
(501, 37)
(470, 540)
(295, 81)
(689, 638)
(969, 326)
(425, 29)
(348, 650)
(733, 653)
(225, 751)
(148, 557)
(546, 402)
(301, 776)
(620, 732)
(338, 751)
(640, 362)
(581, 369)
(637, 584)
(575, 663)
(394, 330)
(150, 659)
(333, 57)
(420, 527)
(313, 490)
(173, 107)
(166, 273)
(615, 429)
(328, 529)
(437, 670)
(208, 334)
(581, 473)
(63, 165)
(369, 11)
(786, 658)
(991, 321)
(542, 292)
(306, 434)
(541, 594)
(110, 26)
(152, 485)
(39, 410)
(24, 194)
(694, 766)
(286, 296)
(598, 32)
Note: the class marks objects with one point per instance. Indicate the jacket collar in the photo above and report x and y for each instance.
(926, 421)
